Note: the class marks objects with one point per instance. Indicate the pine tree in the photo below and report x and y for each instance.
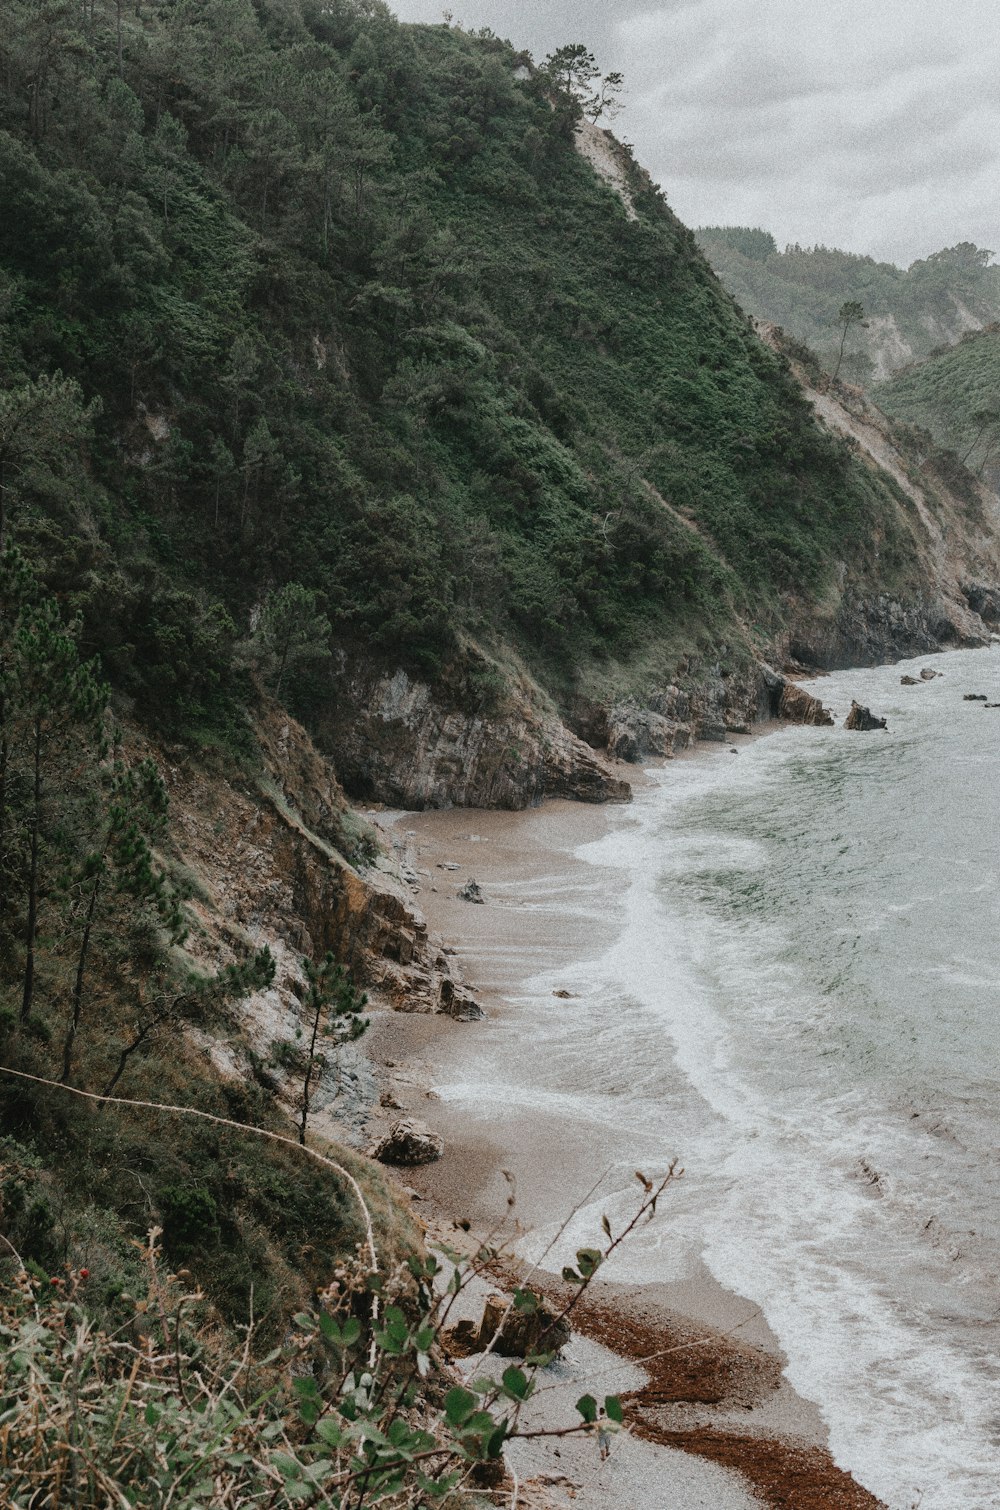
(55, 696)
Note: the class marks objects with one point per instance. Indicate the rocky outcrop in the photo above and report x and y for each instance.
(983, 600)
(631, 732)
(396, 740)
(265, 864)
(408, 1142)
(797, 706)
(863, 719)
(471, 892)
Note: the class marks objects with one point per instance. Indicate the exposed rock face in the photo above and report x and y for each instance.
(409, 1142)
(983, 600)
(457, 1003)
(392, 739)
(633, 732)
(279, 877)
(862, 718)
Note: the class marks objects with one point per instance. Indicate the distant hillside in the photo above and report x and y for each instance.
(910, 311)
(955, 395)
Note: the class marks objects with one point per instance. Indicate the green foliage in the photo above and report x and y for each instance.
(327, 306)
(291, 633)
(953, 396)
(333, 1008)
(358, 1404)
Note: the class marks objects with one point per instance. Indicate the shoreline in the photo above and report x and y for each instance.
(719, 1395)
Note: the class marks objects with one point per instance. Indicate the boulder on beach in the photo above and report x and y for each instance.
(471, 892)
(455, 1002)
(519, 1334)
(409, 1142)
(927, 675)
(863, 718)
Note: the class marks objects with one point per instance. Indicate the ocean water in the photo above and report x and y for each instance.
(802, 1004)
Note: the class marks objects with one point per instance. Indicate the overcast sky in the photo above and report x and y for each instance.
(872, 125)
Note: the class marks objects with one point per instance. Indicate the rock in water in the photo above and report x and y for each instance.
(973, 697)
(862, 718)
(471, 892)
(409, 1142)
(927, 675)
(800, 707)
(912, 681)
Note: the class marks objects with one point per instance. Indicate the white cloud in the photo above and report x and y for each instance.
(868, 124)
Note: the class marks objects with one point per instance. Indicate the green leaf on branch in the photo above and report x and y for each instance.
(516, 1384)
(459, 1405)
(587, 1406)
(613, 1409)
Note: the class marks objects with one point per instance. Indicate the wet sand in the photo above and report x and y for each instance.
(718, 1393)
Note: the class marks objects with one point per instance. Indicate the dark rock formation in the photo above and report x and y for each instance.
(974, 697)
(983, 600)
(862, 718)
(471, 892)
(910, 681)
(456, 1002)
(927, 675)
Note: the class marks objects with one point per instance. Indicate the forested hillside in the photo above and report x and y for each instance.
(293, 294)
(908, 311)
(955, 395)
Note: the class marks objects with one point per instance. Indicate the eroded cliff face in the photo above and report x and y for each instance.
(264, 858)
(395, 740)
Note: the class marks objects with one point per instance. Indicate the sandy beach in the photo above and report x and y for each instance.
(712, 1422)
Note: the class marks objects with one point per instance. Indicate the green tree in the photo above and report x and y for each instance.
(161, 1005)
(574, 71)
(122, 865)
(987, 422)
(292, 631)
(41, 424)
(333, 1007)
(851, 313)
(57, 697)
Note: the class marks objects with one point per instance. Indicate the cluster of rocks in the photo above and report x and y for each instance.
(926, 675)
